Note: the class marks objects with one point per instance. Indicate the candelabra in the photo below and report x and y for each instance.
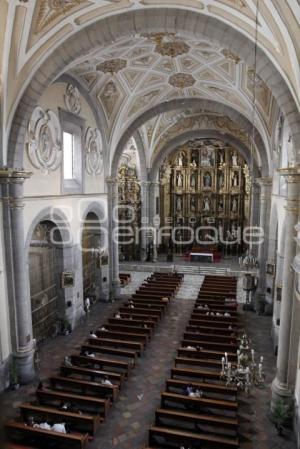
(246, 373)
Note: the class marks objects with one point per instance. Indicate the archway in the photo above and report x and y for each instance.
(45, 277)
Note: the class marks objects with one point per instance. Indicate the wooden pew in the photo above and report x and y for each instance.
(217, 388)
(130, 336)
(213, 337)
(120, 327)
(181, 437)
(212, 330)
(208, 344)
(70, 384)
(133, 323)
(202, 362)
(138, 346)
(140, 313)
(190, 373)
(85, 403)
(219, 423)
(185, 352)
(105, 363)
(92, 374)
(19, 430)
(79, 421)
(123, 353)
(184, 400)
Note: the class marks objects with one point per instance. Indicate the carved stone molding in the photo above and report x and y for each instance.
(72, 99)
(112, 65)
(44, 140)
(182, 80)
(93, 152)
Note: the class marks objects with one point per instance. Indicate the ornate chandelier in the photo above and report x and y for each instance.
(246, 373)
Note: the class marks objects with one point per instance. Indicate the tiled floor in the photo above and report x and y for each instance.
(128, 422)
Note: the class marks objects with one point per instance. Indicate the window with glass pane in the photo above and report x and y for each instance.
(68, 155)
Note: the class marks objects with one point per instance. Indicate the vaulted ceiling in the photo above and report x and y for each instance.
(138, 71)
(134, 74)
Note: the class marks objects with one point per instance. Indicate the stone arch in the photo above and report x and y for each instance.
(142, 156)
(56, 216)
(182, 21)
(205, 105)
(173, 145)
(46, 261)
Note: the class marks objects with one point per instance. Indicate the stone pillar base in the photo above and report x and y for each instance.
(280, 392)
(25, 365)
(115, 290)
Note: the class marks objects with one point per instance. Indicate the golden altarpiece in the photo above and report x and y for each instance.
(129, 191)
(205, 183)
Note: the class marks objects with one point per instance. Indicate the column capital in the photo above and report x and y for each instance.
(292, 174)
(10, 175)
(266, 181)
(111, 180)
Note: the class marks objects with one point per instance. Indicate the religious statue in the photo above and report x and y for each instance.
(193, 180)
(235, 179)
(178, 204)
(180, 180)
(221, 157)
(208, 156)
(221, 180)
(234, 159)
(234, 205)
(193, 163)
(207, 181)
(221, 205)
(206, 207)
(180, 159)
(193, 204)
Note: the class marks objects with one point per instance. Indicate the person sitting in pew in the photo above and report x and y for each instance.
(227, 315)
(67, 361)
(165, 299)
(92, 334)
(106, 381)
(191, 348)
(102, 328)
(59, 427)
(42, 425)
(117, 315)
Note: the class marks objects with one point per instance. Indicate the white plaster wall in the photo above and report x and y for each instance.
(50, 184)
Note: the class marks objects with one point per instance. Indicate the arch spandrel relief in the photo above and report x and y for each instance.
(93, 152)
(44, 148)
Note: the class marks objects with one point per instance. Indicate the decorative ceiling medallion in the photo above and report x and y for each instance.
(72, 99)
(93, 152)
(229, 55)
(112, 65)
(167, 44)
(50, 10)
(44, 140)
(182, 80)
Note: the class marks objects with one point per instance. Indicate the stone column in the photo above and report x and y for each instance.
(113, 247)
(280, 386)
(153, 194)
(264, 222)
(19, 289)
(144, 219)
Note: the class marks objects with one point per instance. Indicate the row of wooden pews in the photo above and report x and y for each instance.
(81, 394)
(125, 278)
(197, 409)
